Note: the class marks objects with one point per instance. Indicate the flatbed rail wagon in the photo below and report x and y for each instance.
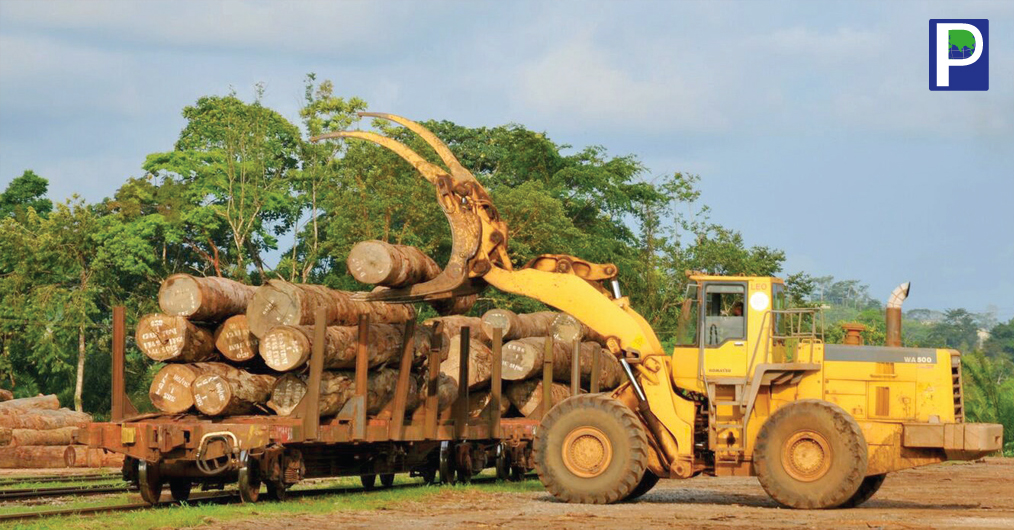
(185, 450)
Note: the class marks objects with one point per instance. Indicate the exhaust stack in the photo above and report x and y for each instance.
(898, 296)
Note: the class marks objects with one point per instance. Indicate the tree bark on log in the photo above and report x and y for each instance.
(6, 395)
(458, 305)
(23, 437)
(278, 303)
(527, 396)
(286, 348)
(566, 328)
(394, 266)
(233, 392)
(480, 362)
(480, 405)
(523, 358)
(43, 419)
(96, 457)
(451, 327)
(336, 389)
(47, 402)
(447, 392)
(167, 338)
(234, 340)
(205, 299)
(517, 326)
(36, 457)
(379, 263)
(171, 390)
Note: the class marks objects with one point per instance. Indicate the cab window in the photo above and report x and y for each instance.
(724, 313)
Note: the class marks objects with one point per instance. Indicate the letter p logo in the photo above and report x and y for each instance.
(959, 54)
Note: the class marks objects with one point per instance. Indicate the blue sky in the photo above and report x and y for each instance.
(811, 124)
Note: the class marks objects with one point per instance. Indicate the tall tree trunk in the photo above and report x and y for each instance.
(79, 385)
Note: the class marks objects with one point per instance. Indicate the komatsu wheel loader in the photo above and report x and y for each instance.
(750, 389)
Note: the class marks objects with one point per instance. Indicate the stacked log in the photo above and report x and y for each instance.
(515, 325)
(528, 396)
(207, 299)
(234, 340)
(480, 362)
(36, 433)
(523, 359)
(336, 389)
(286, 348)
(279, 303)
(168, 338)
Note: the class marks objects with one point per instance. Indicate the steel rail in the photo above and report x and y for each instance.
(228, 497)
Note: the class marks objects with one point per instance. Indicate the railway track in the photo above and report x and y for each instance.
(38, 493)
(42, 479)
(227, 497)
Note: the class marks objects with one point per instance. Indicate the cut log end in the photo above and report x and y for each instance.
(212, 394)
(174, 338)
(234, 340)
(372, 262)
(285, 348)
(171, 388)
(286, 394)
(203, 298)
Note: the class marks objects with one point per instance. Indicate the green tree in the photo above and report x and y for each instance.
(1000, 344)
(989, 393)
(27, 191)
(232, 162)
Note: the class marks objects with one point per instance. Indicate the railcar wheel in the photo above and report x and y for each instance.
(866, 490)
(503, 465)
(180, 489)
(591, 449)
(369, 481)
(429, 475)
(249, 479)
(387, 480)
(810, 454)
(446, 464)
(277, 491)
(647, 482)
(149, 482)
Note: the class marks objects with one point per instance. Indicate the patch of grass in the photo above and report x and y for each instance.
(188, 515)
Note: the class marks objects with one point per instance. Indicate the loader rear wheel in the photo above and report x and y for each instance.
(810, 454)
(647, 482)
(866, 490)
(591, 449)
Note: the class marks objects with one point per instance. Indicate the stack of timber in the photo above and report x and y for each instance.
(524, 356)
(36, 432)
(230, 348)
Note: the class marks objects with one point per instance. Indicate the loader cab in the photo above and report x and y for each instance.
(722, 322)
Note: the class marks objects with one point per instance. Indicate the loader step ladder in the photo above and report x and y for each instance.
(731, 401)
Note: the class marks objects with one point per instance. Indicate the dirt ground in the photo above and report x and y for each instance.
(961, 495)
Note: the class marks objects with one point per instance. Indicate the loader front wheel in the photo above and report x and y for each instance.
(810, 454)
(591, 449)
(866, 490)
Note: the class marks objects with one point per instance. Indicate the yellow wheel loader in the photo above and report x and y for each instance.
(750, 388)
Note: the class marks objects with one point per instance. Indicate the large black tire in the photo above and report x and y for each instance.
(591, 449)
(810, 454)
(866, 490)
(647, 482)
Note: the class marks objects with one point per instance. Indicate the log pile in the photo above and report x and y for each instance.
(35, 432)
(231, 349)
